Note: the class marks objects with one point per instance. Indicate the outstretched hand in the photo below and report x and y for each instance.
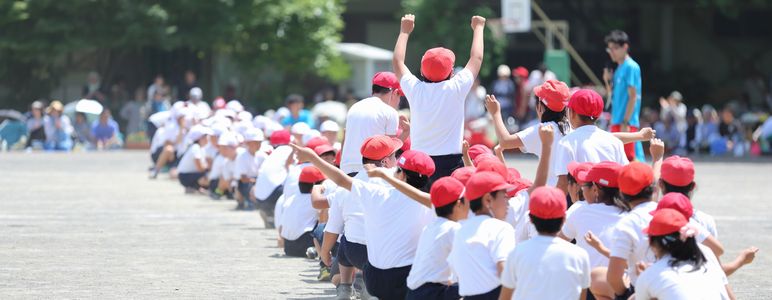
(478, 21)
(492, 105)
(303, 153)
(373, 171)
(648, 133)
(657, 149)
(407, 24)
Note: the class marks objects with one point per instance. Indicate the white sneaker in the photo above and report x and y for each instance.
(343, 292)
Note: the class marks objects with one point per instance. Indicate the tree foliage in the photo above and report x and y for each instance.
(296, 37)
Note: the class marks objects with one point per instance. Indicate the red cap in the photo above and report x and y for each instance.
(322, 149)
(547, 202)
(491, 165)
(665, 221)
(676, 201)
(316, 142)
(482, 183)
(337, 157)
(463, 174)
(605, 173)
(280, 137)
(406, 143)
(575, 168)
(587, 103)
(483, 157)
(521, 71)
(311, 174)
(634, 177)
(678, 171)
(379, 146)
(514, 174)
(520, 184)
(476, 150)
(446, 190)
(416, 161)
(386, 79)
(437, 63)
(554, 94)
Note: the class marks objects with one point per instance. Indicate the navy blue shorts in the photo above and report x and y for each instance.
(432, 290)
(444, 165)
(387, 283)
(492, 295)
(244, 189)
(190, 180)
(351, 254)
(298, 247)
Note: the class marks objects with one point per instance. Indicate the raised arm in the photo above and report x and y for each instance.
(506, 140)
(644, 134)
(332, 173)
(398, 61)
(318, 200)
(465, 154)
(401, 186)
(478, 46)
(546, 135)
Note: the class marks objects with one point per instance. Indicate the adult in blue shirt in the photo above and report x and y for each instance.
(105, 131)
(625, 90)
(295, 104)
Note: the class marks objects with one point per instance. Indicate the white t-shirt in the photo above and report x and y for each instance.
(346, 215)
(546, 267)
(478, 246)
(393, 223)
(188, 161)
(628, 240)
(248, 164)
(366, 118)
(598, 218)
(517, 212)
(272, 172)
(278, 209)
(171, 131)
(431, 263)
(217, 165)
(664, 282)
(201, 110)
(229, 167)
(158, 140)
(587, 144)
(297, 216)
(532, 144)
(437, 112)
(706, 221)
(210, 151)
(571, 209)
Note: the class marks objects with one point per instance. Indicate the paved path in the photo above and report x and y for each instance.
(91, 225)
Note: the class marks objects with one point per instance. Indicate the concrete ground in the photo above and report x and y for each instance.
(91, 225)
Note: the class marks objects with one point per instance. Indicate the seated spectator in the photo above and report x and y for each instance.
(297, 114)
(731, 132)
(57, 128)
(83, 135)
(36, 135)
(105, 131)
(192, 167)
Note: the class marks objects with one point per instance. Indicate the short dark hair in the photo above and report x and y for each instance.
(645, 193)
(415, 180)
(377, 163)
(548, 226)
(476, 204)
(586, 119)
(618, 37)
(611, 197)
(559, 117)
(294, 98)
(686, 190)
(306, 187)
(377, 89)
(446, 210)
(679, 251)
(331, 152)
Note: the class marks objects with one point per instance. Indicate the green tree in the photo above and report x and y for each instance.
(446, 23)
(38, 37)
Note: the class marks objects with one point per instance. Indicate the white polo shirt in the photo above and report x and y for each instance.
(248, 164)
(587, 144)
(215, 172)
(272, 172)
(706, 221)
(434, 245)
(664, 282)
(598, 218)
(228, 170)
(297, 216)
(393, 223)
(437, 112)
(547, 267)
(366, 118)
(188, 161)
(158, 140)
(478, 246)
(628, 240)
(517, 212)
(532, 144)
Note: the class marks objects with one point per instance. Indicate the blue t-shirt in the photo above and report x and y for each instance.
(104, 131)
(303, 116)
(627, 74)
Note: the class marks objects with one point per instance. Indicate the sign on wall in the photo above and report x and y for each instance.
(516, 15)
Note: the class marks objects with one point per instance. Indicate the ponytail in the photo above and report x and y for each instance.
(680, 250)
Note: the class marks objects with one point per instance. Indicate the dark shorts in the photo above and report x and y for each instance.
(388, 283)
(443, 166)
(268, 204)
(298, 247)
(492, 295)
(190, 180)
(352, 254)
(628, 292)
(244, 189)
(154, 156)
(436, 291)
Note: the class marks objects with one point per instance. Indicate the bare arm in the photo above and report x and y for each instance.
(327, 244)
(657, 150)
(332, 173)
(546, 134)
(644, 134)
(562, 183)
(465, 155)
(478, 46)
(714, 245)
(615, 274)
(506, 140)
(499, 151)
(398, 61)
(745, 257)
(596, 243)
(319, 201)
(401, 186)
(506, 293)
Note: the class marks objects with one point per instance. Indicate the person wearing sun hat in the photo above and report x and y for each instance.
(248, 163)
(193, 164)
(437, 101)
(57, 127)
(392, 217)
(269, 185)
(684, 269)
(546, 267)
(576, 187)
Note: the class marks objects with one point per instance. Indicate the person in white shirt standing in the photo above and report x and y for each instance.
(193, 165)
(587, 143)
(376, 115)
(546, 266)
(247, 164)
(684, 269)
(482, 244)
(437, 102)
